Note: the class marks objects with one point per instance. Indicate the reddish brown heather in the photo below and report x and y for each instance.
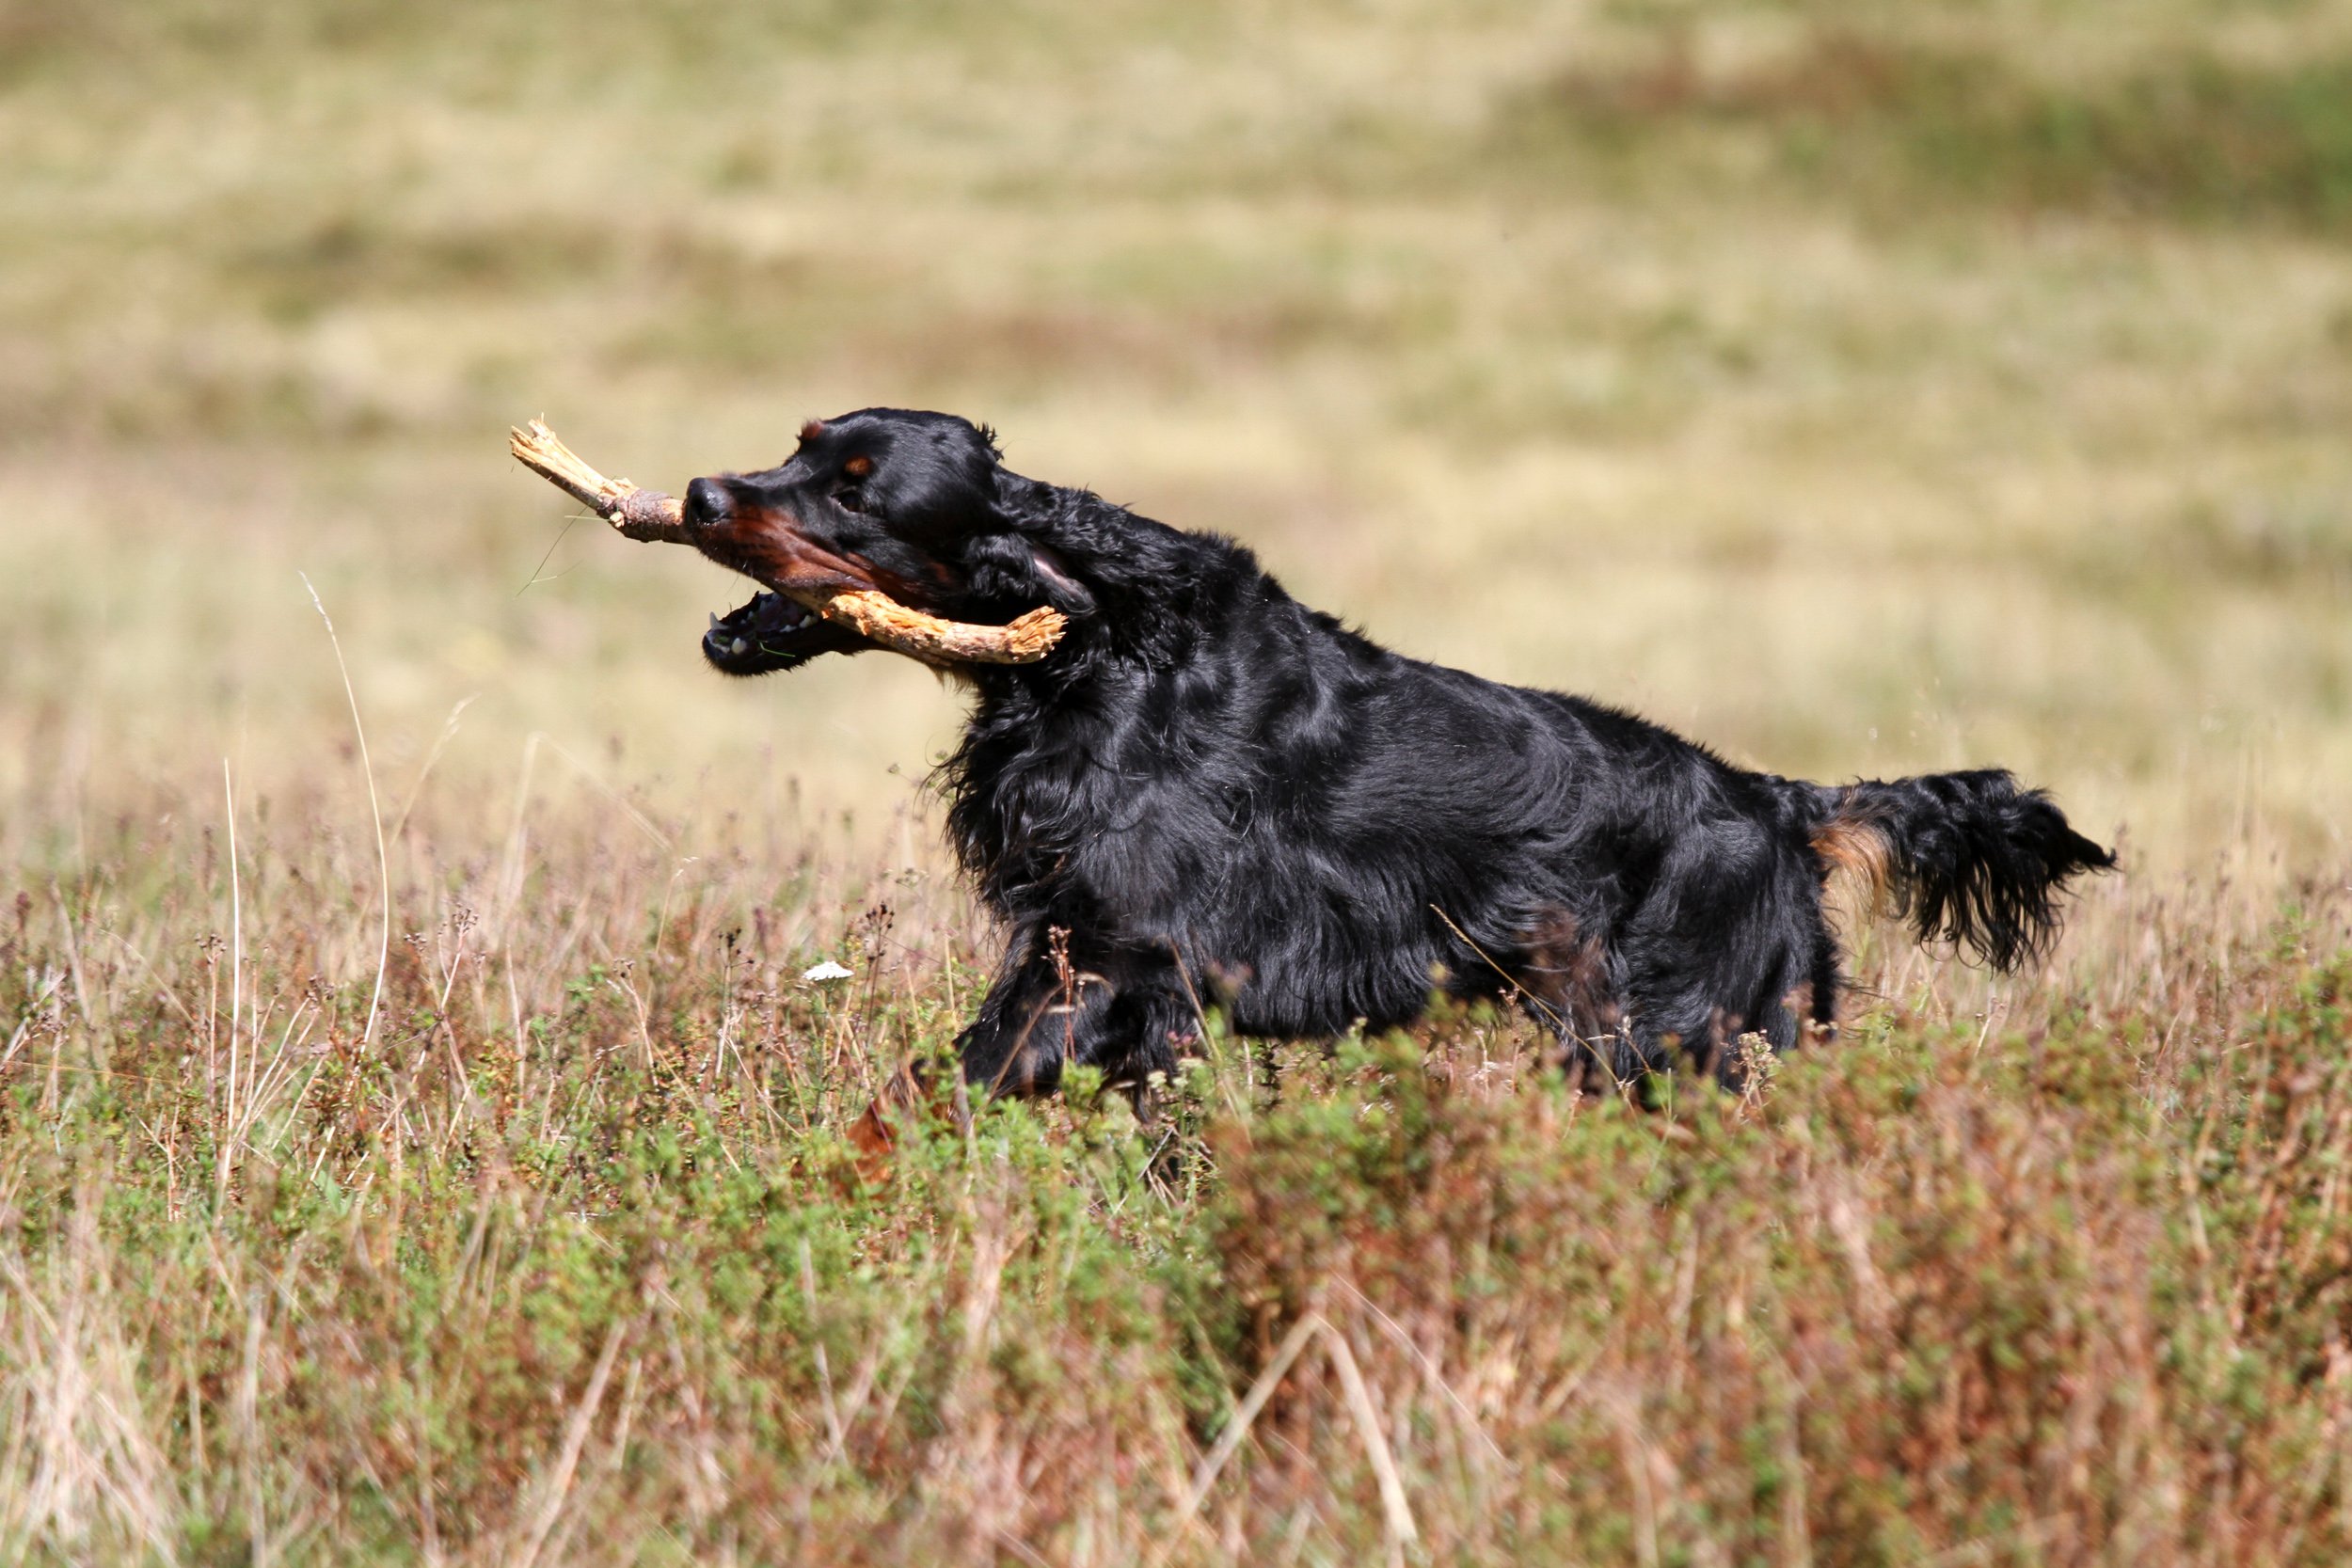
(571, 1265)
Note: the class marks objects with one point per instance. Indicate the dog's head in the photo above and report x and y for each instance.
(914, 505)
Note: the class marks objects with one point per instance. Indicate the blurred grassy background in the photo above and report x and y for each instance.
(1861, 388)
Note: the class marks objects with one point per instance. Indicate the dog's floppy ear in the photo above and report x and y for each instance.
(1026, 511)
(1012, 564)
(1065, 591)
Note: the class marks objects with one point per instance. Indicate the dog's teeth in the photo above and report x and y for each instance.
(738, 647)
(714, 620)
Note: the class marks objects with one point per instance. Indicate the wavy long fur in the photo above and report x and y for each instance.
(1211, 792)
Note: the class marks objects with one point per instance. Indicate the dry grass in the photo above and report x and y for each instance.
(1864, 389)
(569, 1263)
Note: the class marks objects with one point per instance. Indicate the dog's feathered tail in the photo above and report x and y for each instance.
(1968, 858)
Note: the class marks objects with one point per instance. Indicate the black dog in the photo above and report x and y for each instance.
(1210, 791)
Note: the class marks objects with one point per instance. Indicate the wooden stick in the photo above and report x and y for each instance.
(648, 514)
(637, 513)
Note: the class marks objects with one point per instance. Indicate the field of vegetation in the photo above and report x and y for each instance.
(417, 1141)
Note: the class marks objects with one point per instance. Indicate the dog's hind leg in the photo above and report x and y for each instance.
(1565, 979)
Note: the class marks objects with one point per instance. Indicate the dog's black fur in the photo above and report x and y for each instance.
(1210, 792)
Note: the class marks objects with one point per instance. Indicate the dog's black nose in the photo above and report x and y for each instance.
(706, 504)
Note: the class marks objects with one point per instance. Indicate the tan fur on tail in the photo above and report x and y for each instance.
(1858, 848)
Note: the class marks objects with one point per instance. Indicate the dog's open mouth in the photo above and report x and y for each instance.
(778, 631)
(769, 633)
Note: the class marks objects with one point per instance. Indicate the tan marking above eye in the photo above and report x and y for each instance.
(811, 430)
(858, 468)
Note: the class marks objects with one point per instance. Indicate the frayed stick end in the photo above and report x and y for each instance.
(635, 513)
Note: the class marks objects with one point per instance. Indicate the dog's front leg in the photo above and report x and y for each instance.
(1043, 1010)
(1047, 1008)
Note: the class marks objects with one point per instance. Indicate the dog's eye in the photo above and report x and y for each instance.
(848, 500)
